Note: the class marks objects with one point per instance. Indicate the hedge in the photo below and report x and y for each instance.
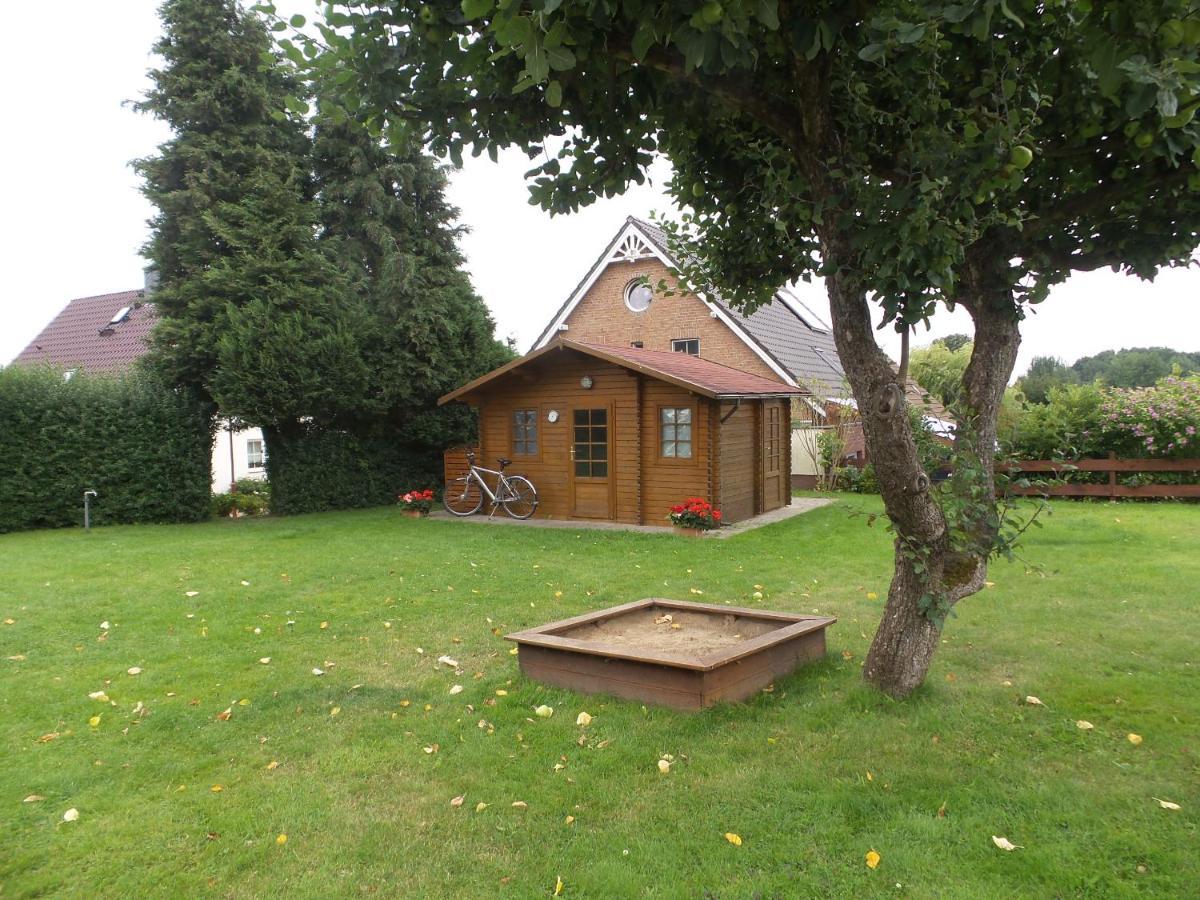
(313, 468)
(143, 447)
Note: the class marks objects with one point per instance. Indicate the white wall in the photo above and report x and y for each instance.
(222, 477)
(805, 453)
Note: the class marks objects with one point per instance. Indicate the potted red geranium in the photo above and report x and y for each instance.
(694, 516)
(416, 504)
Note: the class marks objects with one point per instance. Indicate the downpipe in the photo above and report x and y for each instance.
(87, 509)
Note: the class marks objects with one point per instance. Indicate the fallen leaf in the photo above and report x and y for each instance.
(873, 859)
(544, 712)
(520, 804)
(47, 738)
(456, 802)
(514, 651)
(733, 838)
(191, 593)
(501, 692)
(98, 695)
(216, 789)
(281, 840)
(335, 710)
(664, 766)
(273, 764)
(569, 820)
(663, 620)
(870, 777)
(448, 661)
(245, 583)
(226, 715)
(558, 886)
(317, 671)
(35, 798)
(1084, 725)
(480, 806)
(583, 720)
(105, 625)
(405, 703)
(71, 815)
(94, 721)
(457, 689)
(1134, 739)
(265, 660)
(941, 813)
(1165, 804)
(133, 670)
(1004, 843)
(324, 625)
(1034, 701)
(847, 655)
(871, 595)
(432, 748)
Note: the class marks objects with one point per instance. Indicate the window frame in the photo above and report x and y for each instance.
(658, 435)
(636, 282)
(262, 453)
(675, 349)
(538, 434)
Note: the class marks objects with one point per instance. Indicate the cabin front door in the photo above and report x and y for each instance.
(591, 463)
(773, 456)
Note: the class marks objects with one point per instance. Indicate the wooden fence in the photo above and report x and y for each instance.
(1114, 467)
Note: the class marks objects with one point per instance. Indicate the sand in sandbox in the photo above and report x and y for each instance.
(651, 630)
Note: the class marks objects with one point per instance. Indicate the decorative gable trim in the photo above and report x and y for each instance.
(630, 245)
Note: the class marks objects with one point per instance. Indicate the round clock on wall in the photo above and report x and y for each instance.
(586, 382)
(552, 416)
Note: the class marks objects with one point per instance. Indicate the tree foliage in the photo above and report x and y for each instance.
(250, 311)
(912, 152)
(939, 369)
(1135, 367)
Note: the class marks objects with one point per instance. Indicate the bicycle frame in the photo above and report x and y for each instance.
(501, 483)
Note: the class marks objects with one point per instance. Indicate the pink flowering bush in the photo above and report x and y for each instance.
(1159, 421)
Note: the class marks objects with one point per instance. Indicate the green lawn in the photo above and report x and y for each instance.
(812, 775)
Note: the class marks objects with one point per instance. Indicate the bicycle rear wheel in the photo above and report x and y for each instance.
(520, 499)
(463, 496)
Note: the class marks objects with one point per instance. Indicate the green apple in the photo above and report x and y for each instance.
(1171, 33)
(1020, 156)
(1143, 140)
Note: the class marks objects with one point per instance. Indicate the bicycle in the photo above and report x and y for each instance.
(516, 493)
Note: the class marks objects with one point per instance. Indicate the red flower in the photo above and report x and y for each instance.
(716, 515)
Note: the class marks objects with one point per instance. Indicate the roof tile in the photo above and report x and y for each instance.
(73, 340)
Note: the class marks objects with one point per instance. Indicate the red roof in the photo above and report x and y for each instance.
(701, 376)
(74, 339)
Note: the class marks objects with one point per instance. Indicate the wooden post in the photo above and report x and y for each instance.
(1112, 476)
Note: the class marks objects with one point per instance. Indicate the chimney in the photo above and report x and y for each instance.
(151, 282)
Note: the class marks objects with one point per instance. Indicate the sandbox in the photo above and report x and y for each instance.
(670, 652)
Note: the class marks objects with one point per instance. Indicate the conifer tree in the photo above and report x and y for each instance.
(386, 222)
(251, 312)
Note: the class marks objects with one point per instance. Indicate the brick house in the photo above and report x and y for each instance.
(105, 335)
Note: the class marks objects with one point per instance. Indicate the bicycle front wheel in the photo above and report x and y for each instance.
(520, 499)
(463, 496)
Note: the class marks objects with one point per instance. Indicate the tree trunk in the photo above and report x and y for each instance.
(930, 573)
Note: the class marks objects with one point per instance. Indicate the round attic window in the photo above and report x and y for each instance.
(638, 295)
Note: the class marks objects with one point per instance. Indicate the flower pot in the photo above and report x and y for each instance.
(414, 513)
(689, 532)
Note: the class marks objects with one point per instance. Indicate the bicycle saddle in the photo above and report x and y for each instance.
(504, 462)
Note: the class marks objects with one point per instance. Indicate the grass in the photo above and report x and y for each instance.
(811, 776)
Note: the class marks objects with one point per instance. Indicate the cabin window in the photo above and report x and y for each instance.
(676, 425)
(690, 346)
(255, 457)
(525, 438)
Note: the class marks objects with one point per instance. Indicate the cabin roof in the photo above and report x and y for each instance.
(701, 376)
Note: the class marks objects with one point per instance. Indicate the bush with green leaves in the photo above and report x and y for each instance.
(1159, 421)
(143, 447)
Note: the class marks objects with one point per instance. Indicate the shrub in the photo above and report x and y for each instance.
(859, 480)
(145, 449)
(1159, 421)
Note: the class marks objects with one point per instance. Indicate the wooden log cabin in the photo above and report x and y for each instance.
(624, 433)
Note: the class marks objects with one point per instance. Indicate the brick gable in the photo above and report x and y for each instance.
(602, 317)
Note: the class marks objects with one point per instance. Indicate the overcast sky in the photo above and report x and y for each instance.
(73, 220)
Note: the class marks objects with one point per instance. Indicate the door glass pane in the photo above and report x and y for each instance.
(600, 470)
(600, 451)
(599, 416)
(581, 417)
(583, 451)
(582, 469)
(581, 434)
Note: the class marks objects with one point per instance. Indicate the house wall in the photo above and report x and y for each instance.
(603, 318)
(642, 485)
(222, 475)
